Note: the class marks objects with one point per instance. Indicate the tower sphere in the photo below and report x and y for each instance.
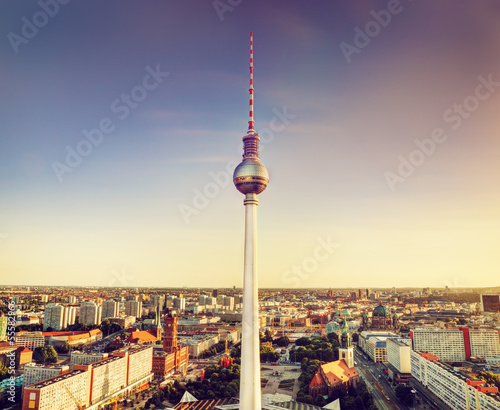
(251, 176)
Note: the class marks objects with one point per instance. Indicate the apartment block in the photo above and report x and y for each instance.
(447, 344)
(456, 389)
(398, 354)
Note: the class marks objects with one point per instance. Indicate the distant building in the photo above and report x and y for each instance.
(23, 357)
(133, 308)
(30, 339)
(490, 303)
(381, 318)
(90, 313)
(86, 358)
(58, 317)
(110, 308)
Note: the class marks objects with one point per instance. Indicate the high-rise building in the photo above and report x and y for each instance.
(133, 308)
(481, 342)
(110, 308)
(90, 313)
(398, 354)
(250, 178)
(490, 303)
(54, 317)
(180, 304)
(447, 344)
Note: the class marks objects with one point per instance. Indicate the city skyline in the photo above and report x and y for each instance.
(338, 112)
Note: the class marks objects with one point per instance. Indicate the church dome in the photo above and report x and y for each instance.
(380, 311)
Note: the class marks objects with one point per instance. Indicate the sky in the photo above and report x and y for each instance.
(121, 125)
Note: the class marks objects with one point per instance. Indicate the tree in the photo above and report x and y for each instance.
(282, 341)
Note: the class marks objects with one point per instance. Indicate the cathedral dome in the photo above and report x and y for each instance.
(380, 311)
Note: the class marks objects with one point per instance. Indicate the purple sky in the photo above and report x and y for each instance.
(348, 97)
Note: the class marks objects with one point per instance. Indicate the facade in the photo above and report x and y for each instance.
(172, 357)
(398, 354)
(110, 308)
(133, 308)
(447, 344)
(90, 313)
(483, 342)
(23, 357)
(454, 388)
(374, 344)
(30, 339)
(55, 317)
(86, 358)
(34, 373)
(490, 303)
(3, 326)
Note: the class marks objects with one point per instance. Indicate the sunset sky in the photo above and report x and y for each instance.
(345, 93)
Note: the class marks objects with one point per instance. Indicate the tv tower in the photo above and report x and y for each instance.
(250, 178)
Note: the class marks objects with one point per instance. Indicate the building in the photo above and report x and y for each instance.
(86, 358)
(90, 313)
(447, 344)
(490, 303)
(454, 388)
(23, 357)
(3, 326)
(381, 318)
(398, 359)
(373, 343)
(338, 375)
(58, 317)
(34, 373)
(179, 304)
(110, 308)
(91, 386)
(133, 308)
(172, 357)
(480, 342)
(30, 339)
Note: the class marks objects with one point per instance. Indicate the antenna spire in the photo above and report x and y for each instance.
(251, 121)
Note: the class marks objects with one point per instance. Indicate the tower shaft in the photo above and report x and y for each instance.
(250, 395)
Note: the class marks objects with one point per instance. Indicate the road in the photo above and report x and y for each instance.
(384, 395)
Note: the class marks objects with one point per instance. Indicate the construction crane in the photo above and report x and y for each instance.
(78, 404)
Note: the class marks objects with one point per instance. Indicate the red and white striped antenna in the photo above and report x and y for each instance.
(251, 121)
